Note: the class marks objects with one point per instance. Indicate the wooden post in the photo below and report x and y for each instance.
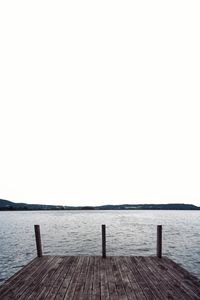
(159, 241)
(38, 240)
(103, 230)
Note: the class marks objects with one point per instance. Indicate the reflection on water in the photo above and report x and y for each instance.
(79, 233)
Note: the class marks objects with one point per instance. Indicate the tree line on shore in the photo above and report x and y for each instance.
(6, 205)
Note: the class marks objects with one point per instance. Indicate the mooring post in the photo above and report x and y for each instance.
(159, 241)
(103, 230)
(38, 240)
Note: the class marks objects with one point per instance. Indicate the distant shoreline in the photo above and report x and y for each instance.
(6, 205)
(101, 209)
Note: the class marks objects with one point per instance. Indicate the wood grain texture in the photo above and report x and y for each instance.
(38, 240)
(92, 277)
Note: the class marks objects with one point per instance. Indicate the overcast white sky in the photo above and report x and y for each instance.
(100, 101)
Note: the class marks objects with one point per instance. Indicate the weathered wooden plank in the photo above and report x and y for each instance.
(36, 280)
(164, 285)
(136, 269)
(118, 280)
(103, 280)
(125, 279)
(68, 279)
(96, 293)
(82, 279)
(89, 278)
(54, 282)
(68, 267)
(43, 283)
(13, 280)
(74, 280)
(188, 283)
(127, 263)
(111, 280)
(159, 290)
(95, 278)
(27, 278)
(168, 283)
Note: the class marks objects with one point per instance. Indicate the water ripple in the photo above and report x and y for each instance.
(79, 233)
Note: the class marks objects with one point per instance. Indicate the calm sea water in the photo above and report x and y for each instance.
(79, 233)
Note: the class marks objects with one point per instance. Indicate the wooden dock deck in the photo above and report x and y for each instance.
(94, 277)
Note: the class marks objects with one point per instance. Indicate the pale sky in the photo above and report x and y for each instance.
(100, 101)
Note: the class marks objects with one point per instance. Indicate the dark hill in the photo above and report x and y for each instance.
(9, 205)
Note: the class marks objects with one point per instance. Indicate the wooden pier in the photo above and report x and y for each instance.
(101, 277)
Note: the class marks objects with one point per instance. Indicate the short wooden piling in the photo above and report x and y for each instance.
(159, 241)
(38, 240)
(103, 230)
